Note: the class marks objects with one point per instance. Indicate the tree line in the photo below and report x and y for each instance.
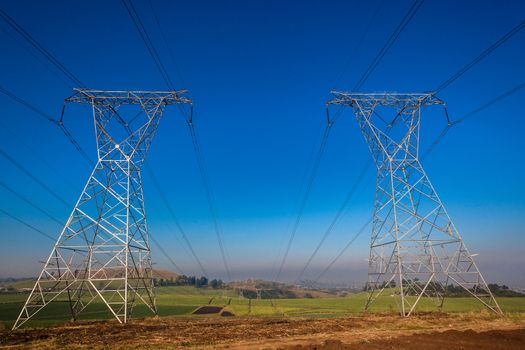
(183, 280)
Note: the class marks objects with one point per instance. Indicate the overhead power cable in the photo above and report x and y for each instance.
(54, 219)
(481, 56)
(31, 203)
(359, 42)
(28, 105)
(61, 68)
(34, 178)
(48, 67)
(345, 248)
(153, 52)
(389, 43)
(175, 219)
(132, 12)
(341, 210)
(166, 43)
(295, 203)
(31, 40)
(50, 119)
(209, 194)
(27, 224)
(306, 195)
(384, 50)
(475, 111)
(491, 102)
(335, 220)
(21, 141)
(166, 255)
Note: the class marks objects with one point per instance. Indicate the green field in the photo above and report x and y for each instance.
(181, 301)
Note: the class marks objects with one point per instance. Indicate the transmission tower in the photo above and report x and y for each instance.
(415, 248)
(103, 251)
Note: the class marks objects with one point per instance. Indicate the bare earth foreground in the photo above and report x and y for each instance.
(476, 330)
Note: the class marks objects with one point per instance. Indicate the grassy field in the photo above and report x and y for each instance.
(181, 301)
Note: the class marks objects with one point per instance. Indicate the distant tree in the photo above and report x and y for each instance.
(201, 282)
(214, 283)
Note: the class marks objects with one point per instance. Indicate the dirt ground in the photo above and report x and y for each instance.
(463, 331)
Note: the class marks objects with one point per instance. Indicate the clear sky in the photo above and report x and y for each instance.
(259, 73)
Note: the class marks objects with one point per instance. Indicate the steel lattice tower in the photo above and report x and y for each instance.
(415, 248)
(103, 251)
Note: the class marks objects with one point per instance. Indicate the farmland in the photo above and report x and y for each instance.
(183, 300)
(313, 319)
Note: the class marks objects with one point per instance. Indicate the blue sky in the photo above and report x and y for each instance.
(259, 73)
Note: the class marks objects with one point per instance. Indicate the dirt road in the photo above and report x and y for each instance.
(428, 331)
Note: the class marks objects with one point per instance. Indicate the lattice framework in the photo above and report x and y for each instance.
(415, 248)
(103, 251)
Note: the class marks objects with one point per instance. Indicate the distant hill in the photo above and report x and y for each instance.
(166, 274)
(19, 283)
(274, 290)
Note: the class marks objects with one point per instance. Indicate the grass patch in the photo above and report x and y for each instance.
(183, 300)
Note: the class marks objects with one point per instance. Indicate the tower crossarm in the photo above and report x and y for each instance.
(102, 97)
(350, 99)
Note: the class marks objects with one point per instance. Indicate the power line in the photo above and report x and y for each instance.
(28, 105)
(174, 218)
(50, 119)
(360, 42)
(132, 12)
(35, 153)
(389, 43)
(170, 229)
(386, 47)
(60, 66)
(166, 255)
(27, 224)
(130, 8)
(163, 35)
(36, 57)
(341, 210)
(31, 40)
(339, 214)
(373, 65)
(32, 204)
(209, 194)
(311, 179)
(146, 38)
(335, 220)
(295, 202)
(481, 56)
(345, 248)
(491, 102)
(33, 177)
(481, 108)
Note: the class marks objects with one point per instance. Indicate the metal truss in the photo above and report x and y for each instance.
(415, 249)
(103, 251)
